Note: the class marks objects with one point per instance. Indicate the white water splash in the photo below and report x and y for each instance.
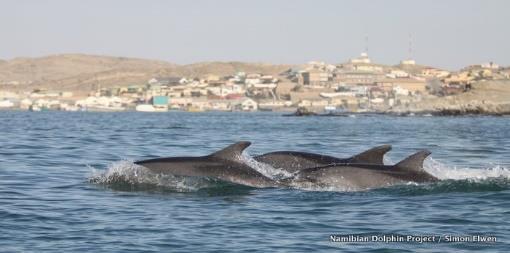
(443, 171)
(266, 169)
(121, 168)
(129, 173)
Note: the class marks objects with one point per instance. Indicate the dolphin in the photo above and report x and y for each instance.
(365, 176)
(226, 165)
(294, 161)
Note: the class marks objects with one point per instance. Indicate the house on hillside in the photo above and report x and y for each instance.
(244, 104)
(168, 81)
(414, 86)
(314, 77)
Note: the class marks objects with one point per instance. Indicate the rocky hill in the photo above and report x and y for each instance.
(86, 72)
(486, 97)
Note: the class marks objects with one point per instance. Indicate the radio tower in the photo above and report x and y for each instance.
(409, 60)
(366, 43)
(364, 56)
(410, 56)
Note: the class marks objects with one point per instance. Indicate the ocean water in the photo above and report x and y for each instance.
(56, 192)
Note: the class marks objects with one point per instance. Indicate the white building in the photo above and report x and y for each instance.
(490, 65)
(363, 58)
(408, 62)
(244, 104)
(397, 74)
(401, 91)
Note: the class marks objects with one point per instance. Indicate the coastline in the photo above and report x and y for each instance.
(358, 86)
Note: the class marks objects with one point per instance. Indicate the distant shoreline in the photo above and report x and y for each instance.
(94, 83)
(446, 113)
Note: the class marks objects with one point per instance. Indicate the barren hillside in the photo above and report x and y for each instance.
(85, 72)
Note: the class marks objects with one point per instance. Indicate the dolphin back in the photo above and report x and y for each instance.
(370, 175)
(414, 162)
(294, 161)
(233, 152)
(371, 156)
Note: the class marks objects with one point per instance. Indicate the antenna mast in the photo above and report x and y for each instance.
(366, 43)
(410, 47)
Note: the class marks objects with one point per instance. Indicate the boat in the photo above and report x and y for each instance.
(194, 109)
(102, 108)
(5, 104)
(34, 108)
(150, 108)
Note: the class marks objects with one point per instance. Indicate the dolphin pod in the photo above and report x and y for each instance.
(362, 171)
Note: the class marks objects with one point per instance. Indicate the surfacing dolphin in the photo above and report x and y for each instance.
(293, 161)
(226, 165)
(365, 176)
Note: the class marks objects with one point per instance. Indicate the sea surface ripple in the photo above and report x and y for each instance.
(55, 195)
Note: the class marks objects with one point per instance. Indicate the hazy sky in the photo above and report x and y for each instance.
(448, 34)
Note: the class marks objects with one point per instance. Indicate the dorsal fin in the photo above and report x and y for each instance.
(413, 162)
(232, 152)
(372, 156)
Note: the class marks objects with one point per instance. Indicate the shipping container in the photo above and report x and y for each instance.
(160, 100)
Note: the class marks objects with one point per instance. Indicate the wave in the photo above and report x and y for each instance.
(127, 176)
(495, 184)
(445, 172)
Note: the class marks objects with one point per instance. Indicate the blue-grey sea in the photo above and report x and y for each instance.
(56, 196)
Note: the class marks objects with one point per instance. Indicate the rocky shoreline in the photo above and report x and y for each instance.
(460, 110)
(486, 98)
(488, 109)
